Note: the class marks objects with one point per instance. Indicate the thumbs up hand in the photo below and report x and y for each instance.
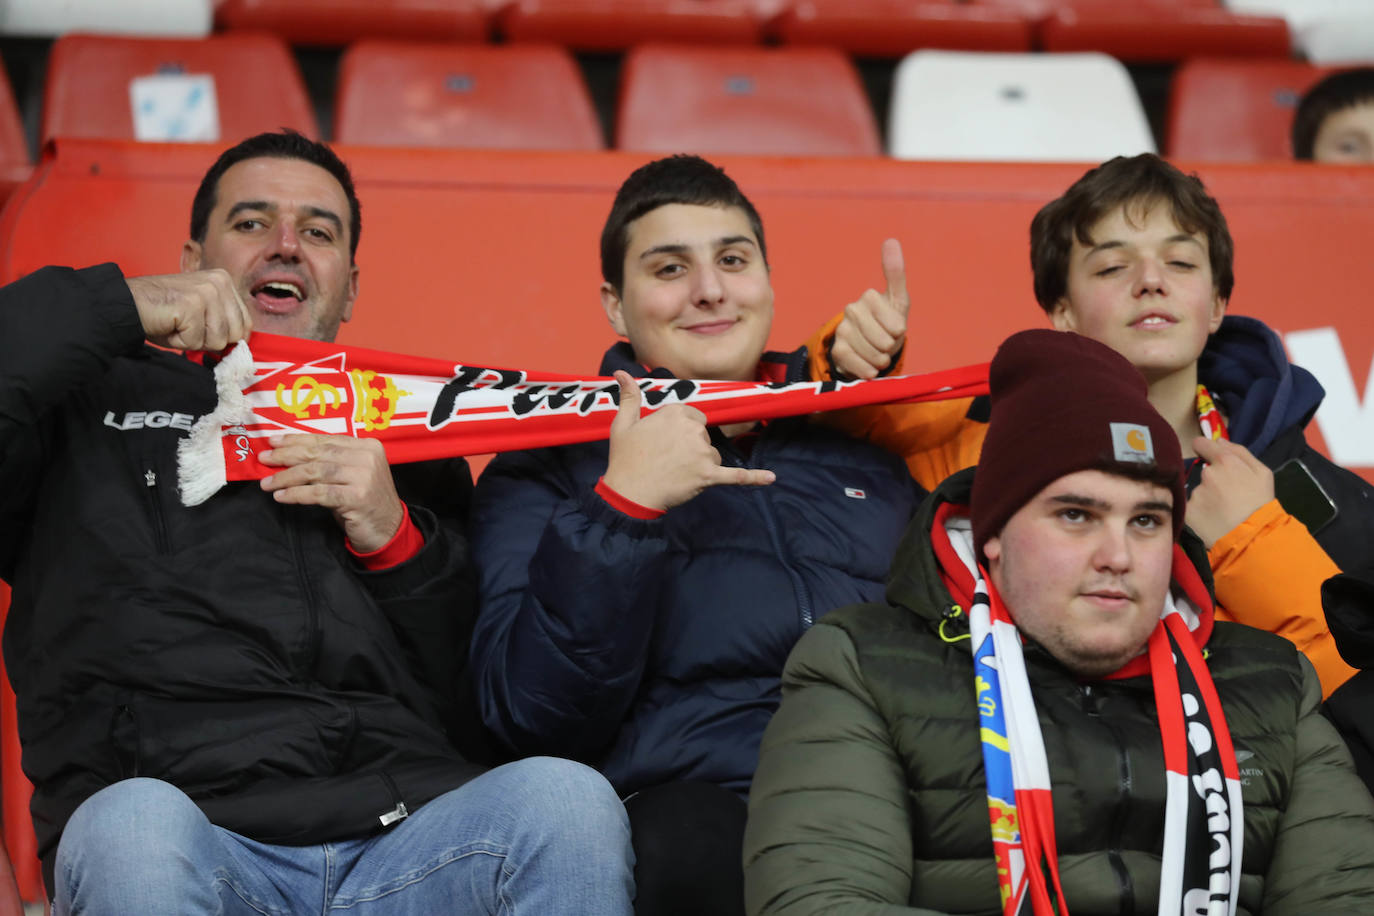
(874, 328)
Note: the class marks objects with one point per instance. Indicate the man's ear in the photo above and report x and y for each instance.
(1218, 312)
(191, 253)
(1062, 315)
(352, 293)
(610, 302)
(992, 560)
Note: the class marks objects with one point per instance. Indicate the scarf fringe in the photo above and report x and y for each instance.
(200, 456)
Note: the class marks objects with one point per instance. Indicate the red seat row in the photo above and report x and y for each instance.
(716, 99)
(1146, 30)
(526, 96)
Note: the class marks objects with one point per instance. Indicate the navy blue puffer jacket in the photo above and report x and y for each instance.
(653, 649)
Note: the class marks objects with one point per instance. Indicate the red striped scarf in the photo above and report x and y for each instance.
(427, 408)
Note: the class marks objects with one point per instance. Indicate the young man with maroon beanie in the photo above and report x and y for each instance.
(1044, 716)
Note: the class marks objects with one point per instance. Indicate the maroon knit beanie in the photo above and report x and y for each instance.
(1061, 403)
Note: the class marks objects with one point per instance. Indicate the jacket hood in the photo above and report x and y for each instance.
(773, 366)
(1262, 394)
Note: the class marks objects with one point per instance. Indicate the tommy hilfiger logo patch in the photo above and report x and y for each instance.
(855, 493)
(1131, 442)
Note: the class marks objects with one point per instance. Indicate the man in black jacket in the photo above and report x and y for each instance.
(232, 708)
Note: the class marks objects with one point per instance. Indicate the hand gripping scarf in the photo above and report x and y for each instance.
(427, 408)
(1203, 815)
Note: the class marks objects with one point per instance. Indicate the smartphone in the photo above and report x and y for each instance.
(1302, 496)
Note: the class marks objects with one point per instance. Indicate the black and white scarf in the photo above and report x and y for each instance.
(1203, 817)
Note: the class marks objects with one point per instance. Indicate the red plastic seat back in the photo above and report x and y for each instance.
(15, 165)
(523, 96)
(256, 83)
(613, 25)
(893, 28)
(1147, 30)
(338, 22)
(1236, 109)
(1159, 31)
(20, 843)
(772, 101)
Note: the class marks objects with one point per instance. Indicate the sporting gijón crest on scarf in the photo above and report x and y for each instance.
(422, 409)
(1204, 823)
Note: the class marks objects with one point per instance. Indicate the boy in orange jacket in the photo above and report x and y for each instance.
(1137, 255)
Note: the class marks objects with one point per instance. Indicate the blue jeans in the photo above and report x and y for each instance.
(539, 836)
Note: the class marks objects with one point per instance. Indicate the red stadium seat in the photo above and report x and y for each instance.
(14, 150)
(521, 96)
(1040, 10)
(892, 28)
(613, 25)
(780, 101)
(90, 84)
(1160, 30)
(338, 22)
(1236, 109)
(1148, 30)
(15, 790)
(11, 904)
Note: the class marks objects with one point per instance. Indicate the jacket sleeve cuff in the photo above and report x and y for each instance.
(627, 506)
(819, 367)
(110, 295)
(404, 545)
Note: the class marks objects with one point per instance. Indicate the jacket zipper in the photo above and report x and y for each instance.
(1124, 785)
(398, 813)
(803, 594)
(155, 511)
(312, 621)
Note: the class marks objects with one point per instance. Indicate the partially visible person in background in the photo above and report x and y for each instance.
(1335, 119)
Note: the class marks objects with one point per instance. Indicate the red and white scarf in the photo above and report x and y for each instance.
(1209, 416)
(427, 408)
(1203, 815)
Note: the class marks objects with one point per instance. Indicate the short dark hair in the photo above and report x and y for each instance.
(283, 144)
(1333, 93)
(1119, 182)
(680, 179)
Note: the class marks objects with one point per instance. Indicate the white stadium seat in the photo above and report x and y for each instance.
(1042, 107)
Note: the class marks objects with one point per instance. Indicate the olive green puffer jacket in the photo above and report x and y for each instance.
(870, 795)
